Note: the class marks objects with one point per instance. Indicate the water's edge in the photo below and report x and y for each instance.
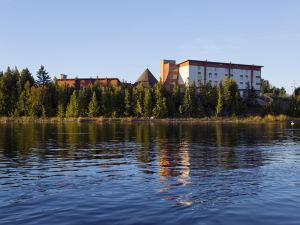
(250, 119)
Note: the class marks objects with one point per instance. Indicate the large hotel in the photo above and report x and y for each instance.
(190, 71)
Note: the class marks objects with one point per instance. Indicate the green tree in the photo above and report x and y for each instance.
(43, 78)
(35, 102)
(219, 107)
(187, 102)
(25, 77)
(174, 101)
(282, 92)
(139, 92)
(229, 93)
(106, 105)
(117, 101)
(60, 110)
(265, 87)
(63, 97)
(148, 103)
(250, 95)
(127, 103)
(83, 102)
(296, 92)
(50, 99)
(93, 106)
(73, 106)
(209, 98)
(160, 109)
(23, 104)
(9, 91)
(2, 97)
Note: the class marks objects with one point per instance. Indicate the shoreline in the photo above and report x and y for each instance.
(248, 119)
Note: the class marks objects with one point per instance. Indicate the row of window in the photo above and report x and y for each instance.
(215, 69)
(226, 75)
(216, 82)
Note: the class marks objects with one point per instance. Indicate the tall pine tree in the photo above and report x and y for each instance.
(43, 78)
(93, 106)
(73, 106)
(160, 108)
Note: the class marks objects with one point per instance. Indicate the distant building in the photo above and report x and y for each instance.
(85, 82)
(190, 71)
(147, 79)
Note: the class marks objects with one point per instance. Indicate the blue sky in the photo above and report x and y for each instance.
(121, 38)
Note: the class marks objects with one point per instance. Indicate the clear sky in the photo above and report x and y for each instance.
(121, 38)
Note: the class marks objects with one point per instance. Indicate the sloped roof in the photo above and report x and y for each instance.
(147, 78)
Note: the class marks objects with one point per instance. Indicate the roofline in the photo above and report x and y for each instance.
(90, 79)
(230, 63)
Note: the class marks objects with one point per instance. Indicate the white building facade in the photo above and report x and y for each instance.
(190, 71)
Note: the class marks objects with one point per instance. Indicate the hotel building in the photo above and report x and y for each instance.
(190, 71)
(85, 82)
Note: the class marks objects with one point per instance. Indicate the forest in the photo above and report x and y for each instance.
(23, 95)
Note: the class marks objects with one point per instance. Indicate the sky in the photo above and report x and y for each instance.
(121, 38)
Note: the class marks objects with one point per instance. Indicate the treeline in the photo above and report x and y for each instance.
(22, 95)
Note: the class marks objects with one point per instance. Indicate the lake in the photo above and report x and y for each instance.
(149, 173)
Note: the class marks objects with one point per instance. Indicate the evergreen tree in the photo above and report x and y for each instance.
(73, 106)
(50, 100)
(187, 102)
(9, 92)
(139, 92)
(26, 77)
(22, 108)
(117, 101)
(35, 102)
(195, 105)
(147, 103)
(63, 97)
(210, 101)
(83, 102)
(93, 106)
(174, 101)
(160, 109)
(229, 93)
(219, 107)
(2, 97)
(60, 110)
(106, 106)
(239, 106)
(43, 78)
(250, 95)
(282, 92)
(127, 103)
(296, 92)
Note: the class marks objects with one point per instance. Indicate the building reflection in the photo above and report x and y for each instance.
(177, 150)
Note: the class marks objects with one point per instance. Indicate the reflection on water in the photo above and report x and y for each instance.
(146, 173)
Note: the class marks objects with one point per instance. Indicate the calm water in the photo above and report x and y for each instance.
(149, 174)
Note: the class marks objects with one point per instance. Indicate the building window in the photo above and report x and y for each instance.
(258, 84)
(210, 75)
(247, 76)
(199, 73)
(216, 74)
(226, 75)
(257, 76)
(241, 75)
(241, 83)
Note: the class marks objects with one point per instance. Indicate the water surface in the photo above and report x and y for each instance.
(149, 174)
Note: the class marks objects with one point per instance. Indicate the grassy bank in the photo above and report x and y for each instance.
(248, 119)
